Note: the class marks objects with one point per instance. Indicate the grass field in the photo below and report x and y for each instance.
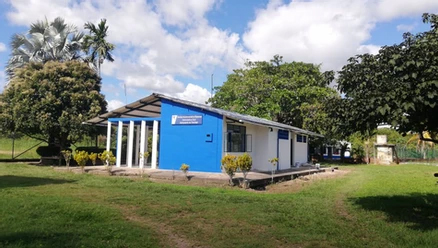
(372, 206)
(24, 143)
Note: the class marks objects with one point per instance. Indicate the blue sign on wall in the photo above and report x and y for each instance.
(186, 119)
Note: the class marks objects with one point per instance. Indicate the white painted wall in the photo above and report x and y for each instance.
(264, 147)
(300, 151)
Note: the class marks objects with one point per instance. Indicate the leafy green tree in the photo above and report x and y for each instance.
(96, 45)
(45, 42)
(399, 85)
(291, 93)
(50, 101)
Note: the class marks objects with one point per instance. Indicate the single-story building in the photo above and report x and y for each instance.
(200, 135)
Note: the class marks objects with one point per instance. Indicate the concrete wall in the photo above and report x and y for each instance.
(189, 143)
(300, 151)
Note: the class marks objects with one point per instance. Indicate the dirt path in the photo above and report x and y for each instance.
(167, 236)
(300, 183)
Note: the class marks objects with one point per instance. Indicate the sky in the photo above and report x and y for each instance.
(176, 47)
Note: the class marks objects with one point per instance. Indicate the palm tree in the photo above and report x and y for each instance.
(421, 144)
(44, 42)
(95, 44)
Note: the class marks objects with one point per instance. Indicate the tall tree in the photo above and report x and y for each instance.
(399, 85)
(291, 93)
(50, 101)
(45, 42)
(96, 45)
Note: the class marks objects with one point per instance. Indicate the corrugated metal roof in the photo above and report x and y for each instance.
(142, 108)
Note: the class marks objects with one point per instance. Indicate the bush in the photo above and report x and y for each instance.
(108, 159)
(185, 168)
(81, 157)
(229, 166)
(48, 151)
(244, 164)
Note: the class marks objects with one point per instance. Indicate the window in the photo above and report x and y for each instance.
(301, 138)
(236, 138)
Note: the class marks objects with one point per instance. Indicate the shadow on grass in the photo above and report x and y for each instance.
(33, 239)
(9, 181)
(419, 211)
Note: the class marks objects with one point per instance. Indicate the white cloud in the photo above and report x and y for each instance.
(406, 28)
(114, 104)
(2, 80)
(148, 55)
(180, 13)
(194, 93)
(2, 47)
(371, 49)
(389, 9)
(323, 31)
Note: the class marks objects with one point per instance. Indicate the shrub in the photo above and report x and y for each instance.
(81, 157)
(67, 157)
(48, 151)
(274, 162)
(229, 166)
(244, 164)
(109, 159)
(93, 158)
(185, 168)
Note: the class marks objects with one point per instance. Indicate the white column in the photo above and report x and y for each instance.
(119, 143)
(130, 144)
(154, 145)
(142, 143)
(108, 136)
(137, 145)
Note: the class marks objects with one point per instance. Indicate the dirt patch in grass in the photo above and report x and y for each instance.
(302, 182)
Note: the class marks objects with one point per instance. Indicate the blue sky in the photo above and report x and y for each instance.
(174, 46)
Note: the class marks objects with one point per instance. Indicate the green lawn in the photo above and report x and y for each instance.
(372, 206)
(21, 145)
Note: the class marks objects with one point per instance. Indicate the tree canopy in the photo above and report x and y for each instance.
(399, 85)
(50, 101)
(45, 42)
(96, 45)
(291, 93)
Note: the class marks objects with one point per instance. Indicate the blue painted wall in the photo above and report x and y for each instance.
(188, 143)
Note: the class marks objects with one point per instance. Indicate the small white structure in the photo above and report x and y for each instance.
(384, 151)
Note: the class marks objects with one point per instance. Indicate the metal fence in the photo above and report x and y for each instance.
(417, 154)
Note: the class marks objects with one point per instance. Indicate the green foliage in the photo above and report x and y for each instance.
(398, 203)
(107, 157)
(291, 93)
(93, 158)
(273, 161)
(44, 42)
(95, 44)
(244, 162)
(66, 154)
(229, 166)
(184, 168)
(48, 151)
(109, 160)
(50, 101)
(399, 85)
(81, 157)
